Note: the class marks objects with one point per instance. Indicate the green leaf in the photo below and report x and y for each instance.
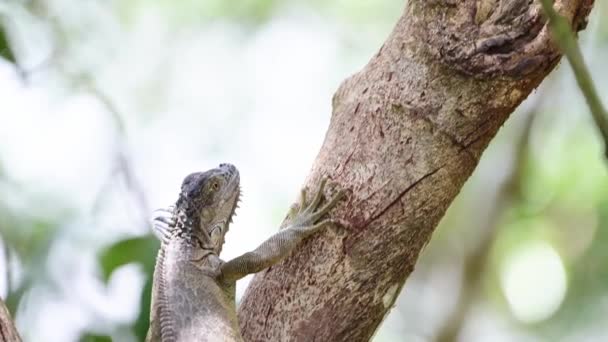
(140, 328)
(140, 250)
(5, 47)
(90, 337)
(14, 297)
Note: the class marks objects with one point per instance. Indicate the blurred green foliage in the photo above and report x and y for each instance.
(29, 235)
(563, 202)
(5, 48)
(139, 250)
(95, 338)
(257, 12)
(247, 11)
(142, 251)
(564, 196)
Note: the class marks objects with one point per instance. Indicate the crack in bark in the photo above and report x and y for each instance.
(435, 127)
(477, 128)
(347, 269)
(403, 193)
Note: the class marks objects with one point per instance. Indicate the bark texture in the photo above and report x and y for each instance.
(405, 134)
(8, 333)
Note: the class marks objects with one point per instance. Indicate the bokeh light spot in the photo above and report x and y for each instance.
(534, 282)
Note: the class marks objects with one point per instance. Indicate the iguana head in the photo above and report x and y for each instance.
(206, 204)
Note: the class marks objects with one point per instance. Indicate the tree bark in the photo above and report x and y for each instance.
(8, 332)
(405, 134)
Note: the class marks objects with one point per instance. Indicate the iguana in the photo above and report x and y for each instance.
(193, 293)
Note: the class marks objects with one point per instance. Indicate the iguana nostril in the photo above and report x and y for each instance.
(228, 168)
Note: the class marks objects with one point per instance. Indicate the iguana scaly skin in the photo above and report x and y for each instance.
(193, 294)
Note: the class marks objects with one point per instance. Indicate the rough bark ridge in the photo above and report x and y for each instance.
(405, 134)
(8, 333)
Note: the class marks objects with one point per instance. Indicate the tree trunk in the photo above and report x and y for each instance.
(8, 333)
(405, 134)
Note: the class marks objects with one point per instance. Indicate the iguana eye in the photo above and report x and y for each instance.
(215, 185)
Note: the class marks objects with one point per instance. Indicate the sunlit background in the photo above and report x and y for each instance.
(111, 103)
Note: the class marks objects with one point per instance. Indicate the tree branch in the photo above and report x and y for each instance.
(405, 134)
(564, 37)
(8, 332)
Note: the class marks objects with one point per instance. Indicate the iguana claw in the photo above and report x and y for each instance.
(306, 215)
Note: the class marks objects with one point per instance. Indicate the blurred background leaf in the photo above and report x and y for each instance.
(95, 338)
(5, 47)
(141, 250)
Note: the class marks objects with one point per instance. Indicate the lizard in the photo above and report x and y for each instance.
(193, 292)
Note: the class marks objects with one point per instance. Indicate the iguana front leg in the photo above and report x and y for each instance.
(302, 222)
